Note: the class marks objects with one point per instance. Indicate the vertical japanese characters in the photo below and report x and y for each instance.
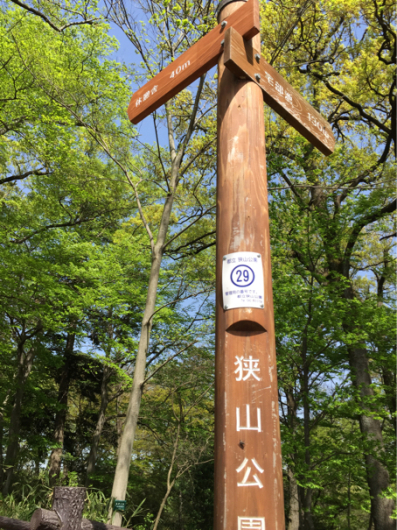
(248, 473)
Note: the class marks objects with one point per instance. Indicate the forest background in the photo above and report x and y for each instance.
(108, 262)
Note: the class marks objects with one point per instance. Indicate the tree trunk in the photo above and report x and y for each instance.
(293, 514)
(308, 516)
(119, 424)
(1, 447)
(349, 501)
(170, 483)
(389, 377)
(308, 492)
(25, 363)
(389, 381)
(294, 507)
(107, 371)
(127, 438)
(377, 474)
(60, 419)
(1, 435)
(162, 505)
(180, 512)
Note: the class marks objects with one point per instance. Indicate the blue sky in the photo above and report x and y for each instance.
(126, 54)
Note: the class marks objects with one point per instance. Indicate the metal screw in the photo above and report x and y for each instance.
(226, 307)
(259, 256)
(262, 306)
(222, 42)
(257, 57)
(257, 77)
(224, 258)
(223, 24)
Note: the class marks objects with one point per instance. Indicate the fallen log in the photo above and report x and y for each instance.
(49, 520)
(66, 514)
(13, 524)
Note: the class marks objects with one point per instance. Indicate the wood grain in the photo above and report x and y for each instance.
(241, 333)
(49, 520)
(68, 503)
(67, 510)
(189, 66)
(13, 524)
(45, 520)
(277, 92)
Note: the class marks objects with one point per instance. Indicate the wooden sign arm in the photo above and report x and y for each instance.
(247, 63)
(194, 62)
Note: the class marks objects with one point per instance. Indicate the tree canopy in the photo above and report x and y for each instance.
(108, 262)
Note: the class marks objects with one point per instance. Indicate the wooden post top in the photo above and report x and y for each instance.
(246, 63)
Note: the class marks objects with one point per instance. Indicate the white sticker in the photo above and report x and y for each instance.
(242, 280)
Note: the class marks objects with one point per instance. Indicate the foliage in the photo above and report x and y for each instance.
(82, 204)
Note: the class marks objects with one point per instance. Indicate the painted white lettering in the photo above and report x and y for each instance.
(248, 420)
(154, 90)
(138, 102)
(251, 523)
(279, 88)
(316, 123)
(179, 69)
(245, 482)
(246, 368)
(269, 79)
(288, 97)
(146, 95)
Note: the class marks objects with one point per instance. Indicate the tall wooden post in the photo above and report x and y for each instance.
(248, 472)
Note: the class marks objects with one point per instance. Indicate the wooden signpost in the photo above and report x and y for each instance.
(246, 63)
(192, 64)
(248, 469)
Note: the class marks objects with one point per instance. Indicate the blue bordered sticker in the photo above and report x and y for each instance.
(242, 280)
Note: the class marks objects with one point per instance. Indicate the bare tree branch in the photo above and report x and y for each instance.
(22, 176)
(48, 21)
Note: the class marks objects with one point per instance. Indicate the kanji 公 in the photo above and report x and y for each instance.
(256, 481)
